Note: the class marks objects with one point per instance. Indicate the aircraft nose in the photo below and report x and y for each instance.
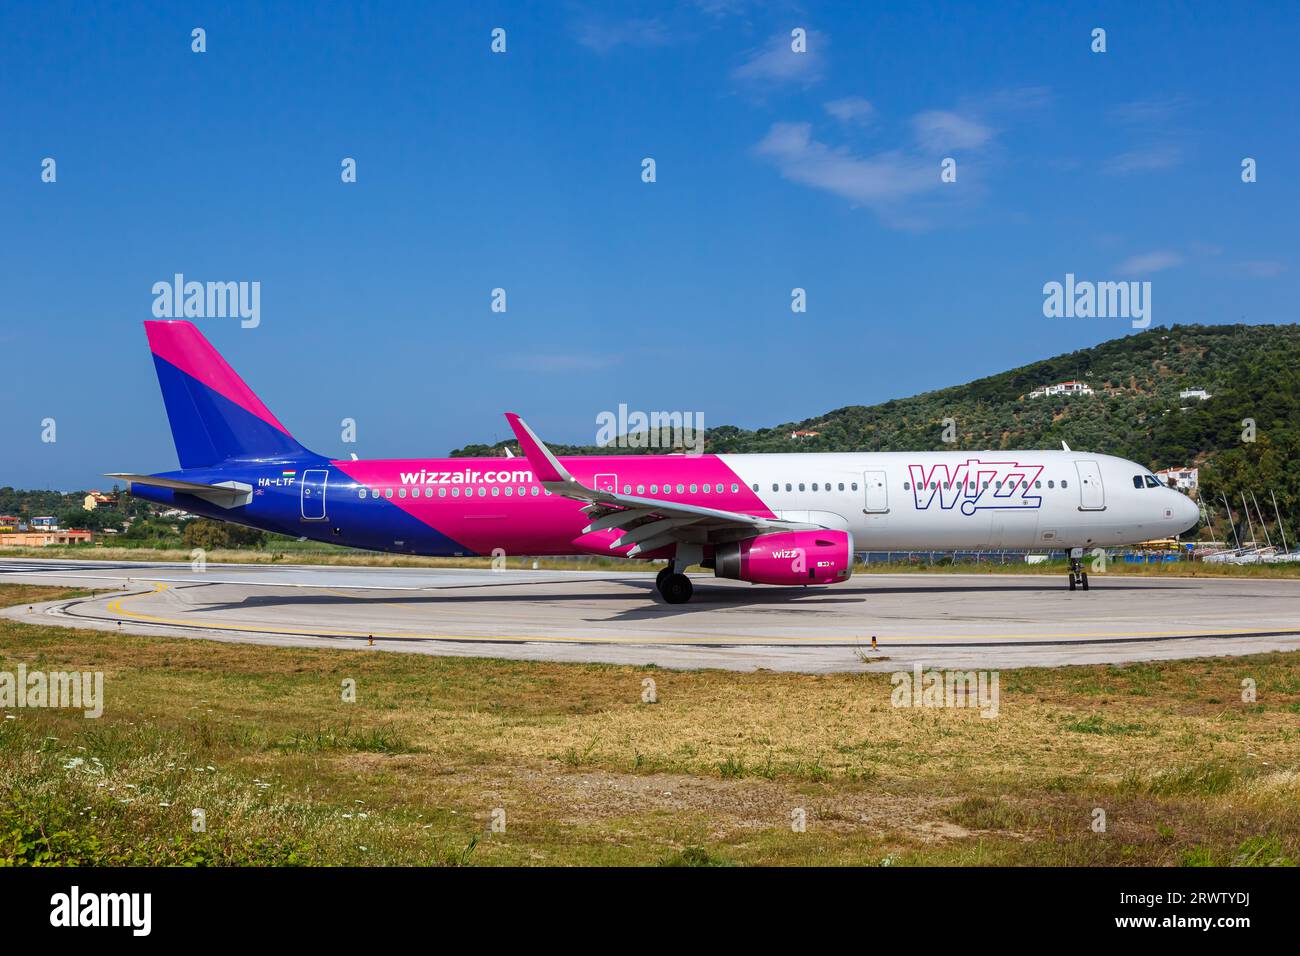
(1186, 512)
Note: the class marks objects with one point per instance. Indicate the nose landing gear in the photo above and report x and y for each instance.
(1078, 577)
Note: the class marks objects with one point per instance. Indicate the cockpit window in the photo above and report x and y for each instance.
(1152, 481)
(1137, 481)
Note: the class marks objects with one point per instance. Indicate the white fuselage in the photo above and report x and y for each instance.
(970, 499)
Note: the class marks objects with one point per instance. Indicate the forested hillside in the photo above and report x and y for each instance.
(1251, 371)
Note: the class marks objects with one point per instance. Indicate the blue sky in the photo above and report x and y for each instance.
(522, 170)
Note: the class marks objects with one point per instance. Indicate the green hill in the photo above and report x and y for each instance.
(1251, 371)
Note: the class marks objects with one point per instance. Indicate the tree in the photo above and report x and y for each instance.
(211, 535)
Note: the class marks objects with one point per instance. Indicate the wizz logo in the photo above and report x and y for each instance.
(976, 485)
(799, 562)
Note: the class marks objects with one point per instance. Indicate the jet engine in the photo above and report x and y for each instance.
(787, 557)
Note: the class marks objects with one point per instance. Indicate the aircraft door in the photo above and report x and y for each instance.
(1092, 494)
(312, 493)
(877, 492)
(607, 483)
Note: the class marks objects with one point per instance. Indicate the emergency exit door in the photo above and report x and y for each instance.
(1092, 494)
(877, 492)
(312, 493)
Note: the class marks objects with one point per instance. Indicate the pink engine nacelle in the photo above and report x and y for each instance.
(787, 557)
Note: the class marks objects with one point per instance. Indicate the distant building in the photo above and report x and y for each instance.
(795, 436)
(1184, 479)
(1199, 394)
(10, 523)
(44, 523)
(97, 499)
(1062, 388)
(42, 539)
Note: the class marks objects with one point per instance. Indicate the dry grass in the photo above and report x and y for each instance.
(587, 773)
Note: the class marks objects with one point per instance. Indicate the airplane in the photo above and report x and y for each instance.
(779, 519)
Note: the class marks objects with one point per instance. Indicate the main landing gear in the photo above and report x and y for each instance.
(674, 588)
(1078, 577)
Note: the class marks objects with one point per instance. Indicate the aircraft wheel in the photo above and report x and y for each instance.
(677, 589)
(662, 576)
(1073, 582)
(1083, 577)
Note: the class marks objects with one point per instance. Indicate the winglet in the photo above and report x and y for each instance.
(1064, 446)
(545, 466)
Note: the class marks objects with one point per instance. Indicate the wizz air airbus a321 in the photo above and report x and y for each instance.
(782, 519)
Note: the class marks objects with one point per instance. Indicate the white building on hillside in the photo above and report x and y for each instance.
(1184, 479)
(1062, 388)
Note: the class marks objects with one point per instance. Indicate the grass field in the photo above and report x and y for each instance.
(287, 772)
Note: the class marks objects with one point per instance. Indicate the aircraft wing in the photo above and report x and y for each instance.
(223, 494)
(647, 523)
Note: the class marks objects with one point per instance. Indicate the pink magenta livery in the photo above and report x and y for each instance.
(778, 519)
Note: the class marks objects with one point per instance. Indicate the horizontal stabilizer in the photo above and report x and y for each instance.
(223, 494)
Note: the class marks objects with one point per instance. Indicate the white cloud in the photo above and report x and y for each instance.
(604, 35)
(1148, 111)
(892, 182)
(942, 130)
(560, 361)
(1260, 268)
(1149, 262)
(851, 109)
(871, 180)
(1144, 160)
(777, 64)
